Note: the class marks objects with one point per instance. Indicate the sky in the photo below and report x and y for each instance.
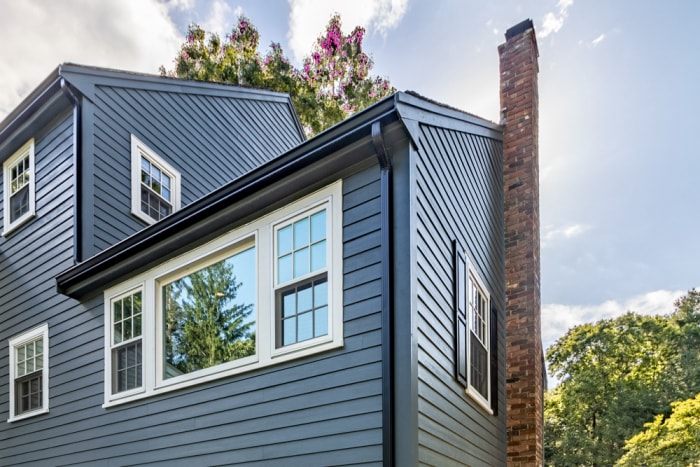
(619, 101)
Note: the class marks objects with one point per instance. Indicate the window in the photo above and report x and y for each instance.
(29, 379)
(301, 279)
(473, 332)
(127, 348)
(155, 185)
(19, 188)
(478, 338)
(263, 293)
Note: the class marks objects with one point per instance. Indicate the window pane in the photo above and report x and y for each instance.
(127, 367)
(284, 269)
(301, 233)
(479, 362)
(301, 262)
(318, 256)
(311, 318)
(321, 321)
(305, 327)
(284, 241)
(321, 293)
(117, 310)
(126, 307)
(19, 203)
(289, 332)
(304, 298)
(318, 226)
(118, 334)
(289, 304)
(209, 315)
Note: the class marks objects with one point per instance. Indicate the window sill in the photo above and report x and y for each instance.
(18, 223)
(26, 415)
(212, 374)
(479, 399)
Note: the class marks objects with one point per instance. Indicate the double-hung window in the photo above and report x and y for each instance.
(29, 377)
(301, 279)
(265, 292)
(18, 188)
(155, 184)
(473, 331)
(126, 341)
(479, 329)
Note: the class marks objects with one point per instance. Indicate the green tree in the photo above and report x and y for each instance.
(672, 441)
(204, 323)
(334, 82)
(616, 375)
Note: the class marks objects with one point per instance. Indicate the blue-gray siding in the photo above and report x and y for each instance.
(210, 140)
(459, 197)
(31, 257)
(321, 410)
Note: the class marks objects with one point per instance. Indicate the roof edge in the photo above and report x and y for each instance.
(31, 103)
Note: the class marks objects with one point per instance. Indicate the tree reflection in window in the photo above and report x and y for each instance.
(209, 315)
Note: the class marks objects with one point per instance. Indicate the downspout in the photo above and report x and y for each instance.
(387, 288)
(77, 198)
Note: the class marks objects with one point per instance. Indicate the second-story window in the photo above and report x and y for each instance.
(19, 187)
(155, 184)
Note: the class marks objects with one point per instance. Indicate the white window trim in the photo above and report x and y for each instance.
(43, 332)
(137, 149)
(261, 232)
(26, 149)
(485, 403)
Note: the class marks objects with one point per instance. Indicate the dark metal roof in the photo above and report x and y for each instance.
(84, 78)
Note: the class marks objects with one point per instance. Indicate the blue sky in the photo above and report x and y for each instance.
(620, 164)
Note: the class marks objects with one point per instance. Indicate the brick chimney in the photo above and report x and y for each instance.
(524, 357)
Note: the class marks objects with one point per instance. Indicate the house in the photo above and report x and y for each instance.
(187, 282)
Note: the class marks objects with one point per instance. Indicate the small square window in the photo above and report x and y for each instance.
(155, 185)
(18, 188)
(29, 374)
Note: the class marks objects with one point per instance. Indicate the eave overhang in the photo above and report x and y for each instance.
(159, 240)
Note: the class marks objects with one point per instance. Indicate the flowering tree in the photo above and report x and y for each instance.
(334, 82)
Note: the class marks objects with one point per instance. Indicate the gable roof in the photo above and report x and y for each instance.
(403, 112)
(57, 90)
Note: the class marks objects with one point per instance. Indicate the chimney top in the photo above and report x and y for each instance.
(519, 28)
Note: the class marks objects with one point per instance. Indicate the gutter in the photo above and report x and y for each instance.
(77, 169)
(387, 287)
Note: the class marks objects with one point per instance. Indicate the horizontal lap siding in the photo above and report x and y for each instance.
(320, 410)
(209, 140)
(30, 258)
(459, 196)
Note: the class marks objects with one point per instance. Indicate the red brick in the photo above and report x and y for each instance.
(519, 101)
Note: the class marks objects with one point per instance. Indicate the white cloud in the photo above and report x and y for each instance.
(598, 40)
(559, 318)
(552, 233)
(307, 18)
(221, 18)
(136, 35)
(553, 21)
(182, 5)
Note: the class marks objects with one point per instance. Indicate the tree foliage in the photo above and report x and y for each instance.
(616, 375)
(333, 83)
(667, 441)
